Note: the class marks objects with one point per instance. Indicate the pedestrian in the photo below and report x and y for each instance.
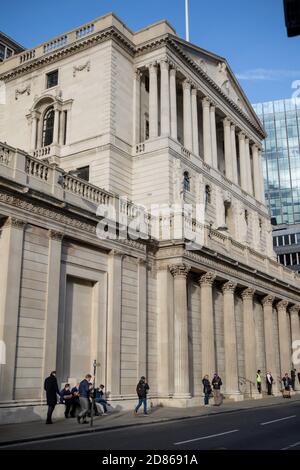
(258, 380)
(217, 384)
(100, 398)
(269, 382)
(293, 378)
(298, 377)
(75, 400)
(142, 390)
(206, 389)
(51, 388)
(66, 399)
(286, 392)
(84, 398)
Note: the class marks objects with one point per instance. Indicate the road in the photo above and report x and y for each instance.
(273, 428)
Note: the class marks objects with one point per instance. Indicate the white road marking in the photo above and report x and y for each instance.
(205, 437)
(290, 446)
(276, 420)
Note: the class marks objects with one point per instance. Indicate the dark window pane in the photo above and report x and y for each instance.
(280, 241)
(48, 127)
(52, 79)
(286, 240)
(2, 52)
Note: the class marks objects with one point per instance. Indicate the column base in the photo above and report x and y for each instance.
(235, 396)
(182, 396)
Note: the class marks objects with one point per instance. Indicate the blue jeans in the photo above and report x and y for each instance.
(206, 398)
(142, 401)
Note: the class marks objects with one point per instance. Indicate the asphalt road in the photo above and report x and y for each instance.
(274, 428)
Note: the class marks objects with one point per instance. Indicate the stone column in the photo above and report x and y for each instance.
(234, 155)
(227, 147)
(173, 103)
(295, 330)
(249, 343)
(153, 102)
(187, 116)
(195, 122)
(114, 323)
(52, 304)
(230, 346)
(243, 162)
(34, 130)
(56, 125)
(62, 128)
(267, 302)
(262, 183)
(136, 106)
(248, 166)
(181, 354)
(206, 131)
(214, 149)
(208, 355)
(164, 98)
(284, 338)
(256, 173)
(10, 276)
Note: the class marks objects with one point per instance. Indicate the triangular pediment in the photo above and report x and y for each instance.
(218, 70)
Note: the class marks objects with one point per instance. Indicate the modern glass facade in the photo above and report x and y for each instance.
(281, 158)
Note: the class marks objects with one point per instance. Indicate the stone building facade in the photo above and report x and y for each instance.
(103, 115)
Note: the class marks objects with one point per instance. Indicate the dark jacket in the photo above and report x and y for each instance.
(75, 397)
(142, 389)
(52, 390)
(84, 389)
(206, 386)
(216, 382)
(286, 382)
(63, 393)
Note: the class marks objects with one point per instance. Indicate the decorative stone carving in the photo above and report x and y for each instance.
(54, 235)
(79, 68)
(248, 293)
(179, 270)
(229, 287)
(222, 77)
(4, 156)
(22, 91)
(282, 305)
(15, 223)
(268, 300)
(207, 279)
(294, 310)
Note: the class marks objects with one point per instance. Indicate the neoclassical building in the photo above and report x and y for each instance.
(105, 116)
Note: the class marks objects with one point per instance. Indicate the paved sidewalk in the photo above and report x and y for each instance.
(38, 430)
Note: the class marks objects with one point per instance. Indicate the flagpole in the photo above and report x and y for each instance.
(187, 27)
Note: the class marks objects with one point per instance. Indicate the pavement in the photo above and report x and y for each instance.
(66, 431)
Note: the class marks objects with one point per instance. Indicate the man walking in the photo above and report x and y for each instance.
(142, 390)
(84, 398)
(51, 388)
(216, 384)
(258, 380)
(269, 382)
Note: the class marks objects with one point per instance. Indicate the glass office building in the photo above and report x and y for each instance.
(281, 166)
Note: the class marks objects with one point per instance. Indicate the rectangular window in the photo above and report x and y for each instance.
(280, 241)
(294, 258)
(9, 53)
(288, 259)
(147, 133)
(2, 52)
(52, 79)
(281, 259)
(274, 241)
(83, 173)
(293, 238)
(147, 83)
(286, 240)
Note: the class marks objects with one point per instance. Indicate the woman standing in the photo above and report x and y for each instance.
(206, 389)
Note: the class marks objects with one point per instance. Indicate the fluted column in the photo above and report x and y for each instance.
(256, 173)
(56, 125)
(284, 338)
(208, 355)
(227, 147)
(181, 356)
(295, 330)
(153, 101)
(164, 98)
(173, 103)
(267, 302)
(136, 106)
(243, 161)
(206, 131)
(249, 341)
(195, 122)
(234, 155)
(187, 116)
(214, 150)
(230, 345)
(248, 166)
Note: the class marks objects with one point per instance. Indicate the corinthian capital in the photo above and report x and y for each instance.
(268, 300)
(248, 293)
(15, 223)
(54, 235)
(186, 84)
(229, 287)
(282, 305)
(179, 270)
(207, 279)
(294, 310)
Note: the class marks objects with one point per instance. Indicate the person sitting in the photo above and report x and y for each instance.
(66, 399)
(100, 397)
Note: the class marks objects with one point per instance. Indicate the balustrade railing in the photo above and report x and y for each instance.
(36, 168)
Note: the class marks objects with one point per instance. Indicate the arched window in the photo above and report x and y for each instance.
(207, 195)
(186, 181)
(48, 127)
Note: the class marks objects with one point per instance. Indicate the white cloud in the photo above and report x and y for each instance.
(268, 74)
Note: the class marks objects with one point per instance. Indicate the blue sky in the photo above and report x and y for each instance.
(251, 34)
